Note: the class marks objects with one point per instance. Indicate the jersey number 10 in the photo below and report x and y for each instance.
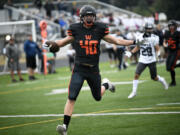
(89, 46)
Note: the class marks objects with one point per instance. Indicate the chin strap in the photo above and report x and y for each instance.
(88, 24)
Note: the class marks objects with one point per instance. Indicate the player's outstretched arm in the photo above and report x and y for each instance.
(53, 46)
(118, 41)
(65, 41)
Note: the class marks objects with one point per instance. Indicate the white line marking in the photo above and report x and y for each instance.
(109, 72)
(97, 114)
(64, 78)
(85, 88)
(169, 104)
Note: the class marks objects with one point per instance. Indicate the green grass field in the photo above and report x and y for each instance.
(119, 115)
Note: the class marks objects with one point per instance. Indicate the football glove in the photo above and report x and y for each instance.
(51, 46)
(128, 54)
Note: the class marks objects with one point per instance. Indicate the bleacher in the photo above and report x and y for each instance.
(121, 19)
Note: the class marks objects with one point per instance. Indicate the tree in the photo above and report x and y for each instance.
(169, 7)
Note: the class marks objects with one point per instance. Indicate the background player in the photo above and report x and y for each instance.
(147, 58)
(86, 36)
(171, 42)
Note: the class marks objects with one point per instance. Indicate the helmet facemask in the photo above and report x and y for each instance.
(88, 19)
(148, 32)
(172, 28)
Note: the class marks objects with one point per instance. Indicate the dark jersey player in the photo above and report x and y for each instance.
(172, 41)
(86, 37)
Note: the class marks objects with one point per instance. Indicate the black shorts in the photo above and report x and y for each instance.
(31, 62)
(152, 69)
(77, 79)
(111, 53)
(172, 59)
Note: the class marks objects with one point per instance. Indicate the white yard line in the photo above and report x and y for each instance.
(90, 114)
(169, 104)
(85, 88)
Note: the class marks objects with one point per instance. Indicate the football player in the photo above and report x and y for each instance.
(147, 58)
(86, 36)
(171, 42)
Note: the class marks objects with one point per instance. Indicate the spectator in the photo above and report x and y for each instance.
(71, 54)
(13, 54)
(38, 4)
(10, 3)
(50, 62)
(63, 25)
(120, 51)
(48, 7)
(111, 54)
(159, 33)
(31, 49)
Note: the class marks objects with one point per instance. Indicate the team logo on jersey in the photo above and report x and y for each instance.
(89, 45)
(88, 37)
(171, 43)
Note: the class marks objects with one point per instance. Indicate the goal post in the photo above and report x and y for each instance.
(25, 22)
(19, 30)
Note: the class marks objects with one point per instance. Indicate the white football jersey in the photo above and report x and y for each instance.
(147, 50)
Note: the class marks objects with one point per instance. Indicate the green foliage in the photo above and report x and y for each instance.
(148, 7)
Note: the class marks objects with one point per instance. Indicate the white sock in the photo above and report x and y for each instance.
(64, 125)
(135, 85)
(160, 79)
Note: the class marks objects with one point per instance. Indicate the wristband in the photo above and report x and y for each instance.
(134, 42)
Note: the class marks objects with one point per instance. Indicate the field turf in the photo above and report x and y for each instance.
(33, 107)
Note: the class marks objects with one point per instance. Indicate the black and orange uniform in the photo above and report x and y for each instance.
(87, 47)
(173, 41)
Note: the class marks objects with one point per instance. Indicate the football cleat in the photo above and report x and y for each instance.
(61, 129)
(172, 84)
(164, 83)
(133, 94)
(111, 86)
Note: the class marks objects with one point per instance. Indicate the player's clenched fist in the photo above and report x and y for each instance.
(51, 46)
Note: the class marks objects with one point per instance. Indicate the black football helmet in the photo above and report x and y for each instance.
(172, 23)
(148, 28)
(85, 11)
